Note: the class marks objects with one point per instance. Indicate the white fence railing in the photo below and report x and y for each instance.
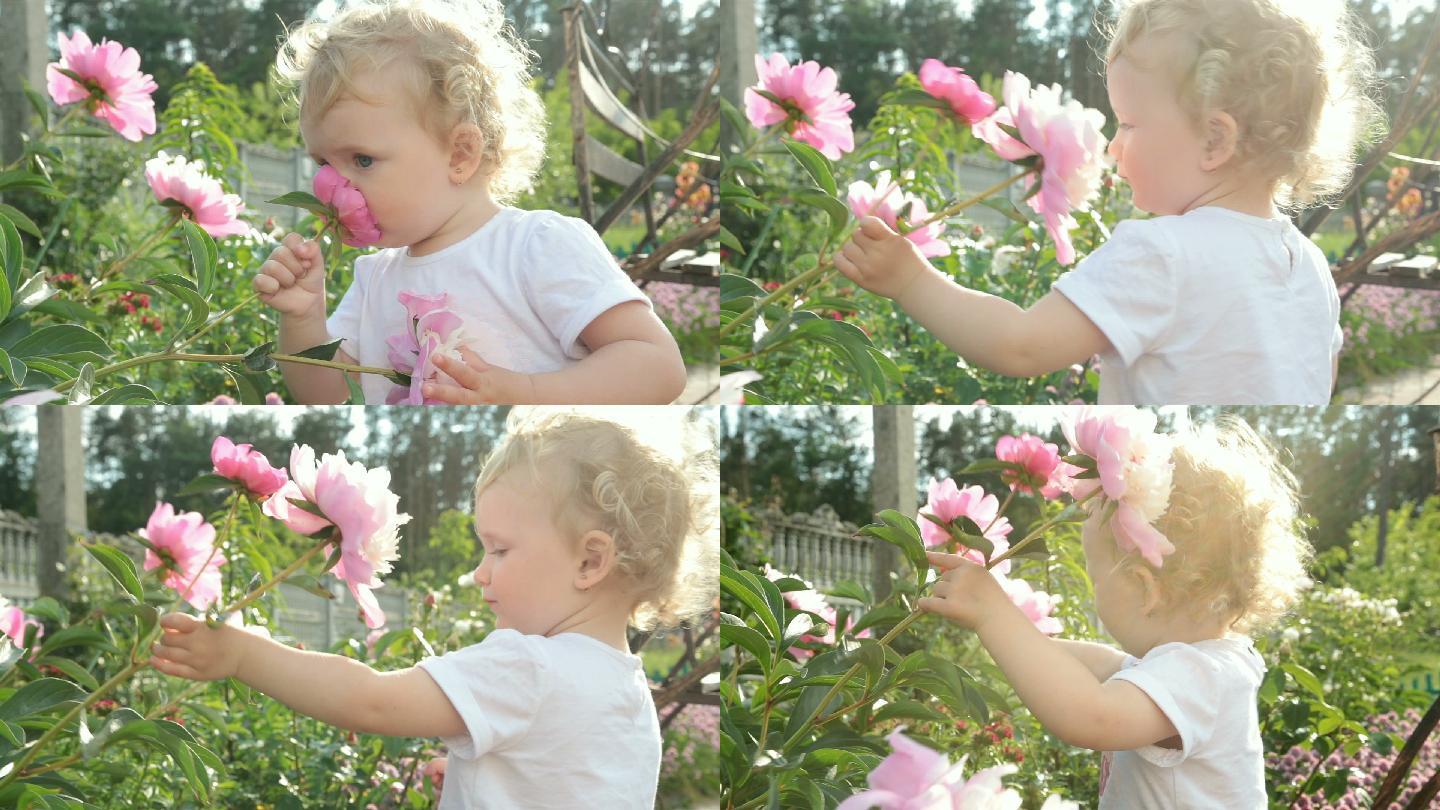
(819, 547)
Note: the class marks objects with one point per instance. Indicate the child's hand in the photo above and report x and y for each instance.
(191, 649)
(880, 260)
(292, 281)
(480, 382)
(435, 770)
(966, 593)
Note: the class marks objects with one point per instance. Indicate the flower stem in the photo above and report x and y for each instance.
(161, 357)
(1037, 531)
(217, 319)
(804, 277)
(144, 248)
(280, 577)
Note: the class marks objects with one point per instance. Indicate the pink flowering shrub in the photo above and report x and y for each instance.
(690, 757)
(1386, 329)
(1363, 770)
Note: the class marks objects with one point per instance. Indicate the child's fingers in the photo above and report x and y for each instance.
(472, 359)
(175, 669)
(930, 604)
(265, 285)
(179, 622)
(169, 652)
(464, 373)
(846, 267)
(943, 561)
(874, 228)
(451, 394)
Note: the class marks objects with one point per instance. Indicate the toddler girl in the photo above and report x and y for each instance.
(1228, 110)
(425, 107)
(1174, 709)
(585, 530)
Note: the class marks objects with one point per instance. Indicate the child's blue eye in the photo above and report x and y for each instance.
(364, 161)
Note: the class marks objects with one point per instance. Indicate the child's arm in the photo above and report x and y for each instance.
(292, 282)
(1063, 693)
(633, 359)
(333, 689)
(982, 328)
(1101, 659)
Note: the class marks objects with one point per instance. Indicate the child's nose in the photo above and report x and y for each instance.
(1114, 147)
(481, 578)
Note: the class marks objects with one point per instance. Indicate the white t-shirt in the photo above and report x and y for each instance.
(1208, 691)
(558, 722)
(526, 283)
(1210, 307)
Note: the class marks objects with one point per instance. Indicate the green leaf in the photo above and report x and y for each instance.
(12, 251)
(909, 710)
(121, 724)
(910, 97)
(34, 292)
(13, 369)
(47, 608)
(815, 164)
(728, 240)
(203, 256)
(734, 584)
(258, 359)
(839, 213)
(325, 351)
(1305, 678)
(120, 566)
(889, 614)
(305, 200)
(740, 635)
(903, 532)
(76, 672)
(59, 340)
(79, 393)
(309, 583)
(185, 290)
(21, 221)
(128, 394)
(39, 696)
(81, 636)
(734, 287)
(13, 732)
(205, 482)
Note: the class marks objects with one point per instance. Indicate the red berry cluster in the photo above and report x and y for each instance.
(65, 281)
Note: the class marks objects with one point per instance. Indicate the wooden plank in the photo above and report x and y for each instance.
(610, 164)
(1414, 267)
(1392, 280)
(606, 105)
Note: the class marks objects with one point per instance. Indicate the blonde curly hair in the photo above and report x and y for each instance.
(658, 497)
(1294, 74)
(462, 62)
(1240, 554)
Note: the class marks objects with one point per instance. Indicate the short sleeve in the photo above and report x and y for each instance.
(497, 687)
(572, 279)
(1337, 340)
(1128, 288)
(344, 322)
(1189, 687)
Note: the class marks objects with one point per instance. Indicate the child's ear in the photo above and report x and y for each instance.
(597, 559)
(1222, 135)
(1149, 589)
(467, 152)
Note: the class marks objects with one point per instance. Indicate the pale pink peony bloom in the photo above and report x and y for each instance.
(357, 224)
(13, 622)
(114, 89)
(273, 398)
(813, 111)
(223, 399)
(1135, 472)
(885, 201)
(947, 501)
(240, 463)
(434, 330)
(210, 207)
(1066, 136)
(917, 777)
(189, 542)
(1036, 605)
(1044, 471)
(951, 85)
(358, 502)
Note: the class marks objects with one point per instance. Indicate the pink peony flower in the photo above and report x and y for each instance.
(114, 89)
(1044, 471)
(810, 107)
(1036, 605)
(247, 466)
(1066, 137)
(949, 502)
(917, 777)
(435, 330)
(13, 622)
(885, 201)
(223, 399)
(202, 195)
(358, 502)
(1135, 472)
(950, 84)
(273, 398)
(188, 545)
(357, 224)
